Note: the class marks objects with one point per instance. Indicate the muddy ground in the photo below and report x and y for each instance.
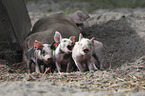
(122, 32)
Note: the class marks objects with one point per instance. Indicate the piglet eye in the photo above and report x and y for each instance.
(43, 52)
(64, 41)
(72, 43)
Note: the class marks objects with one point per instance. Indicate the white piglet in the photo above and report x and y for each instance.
(63, 52)
(84, 54)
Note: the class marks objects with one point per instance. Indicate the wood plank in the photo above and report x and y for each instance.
(19, 19)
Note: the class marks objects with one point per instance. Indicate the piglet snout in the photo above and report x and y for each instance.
(70, 47)
(86, 50)
(49, 59)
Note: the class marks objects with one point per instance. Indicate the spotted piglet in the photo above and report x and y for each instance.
(41, 55)
(63, 53)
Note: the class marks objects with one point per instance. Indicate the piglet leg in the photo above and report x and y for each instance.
(29, 66)
(58, 66)
(90, 66)
(80, 67)
(37, 67)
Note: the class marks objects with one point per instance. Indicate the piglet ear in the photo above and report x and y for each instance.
(80, 36)
(72, 38)
(57, 37)
(37, 44)
(54, 45)
(93, 40)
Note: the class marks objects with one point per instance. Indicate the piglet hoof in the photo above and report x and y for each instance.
(92, 71)
(36, 73)
(59, 73)
(95, 69)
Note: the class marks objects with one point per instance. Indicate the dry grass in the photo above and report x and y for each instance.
(112, 80)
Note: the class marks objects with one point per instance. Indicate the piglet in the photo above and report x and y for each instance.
(97, 54)
(84, 52)
(41, 55)
(63, 52)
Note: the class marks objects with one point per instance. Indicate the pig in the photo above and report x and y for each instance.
(62, 54)
(41, 55)
(76, 19)
(85, 52)
(79, 18)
